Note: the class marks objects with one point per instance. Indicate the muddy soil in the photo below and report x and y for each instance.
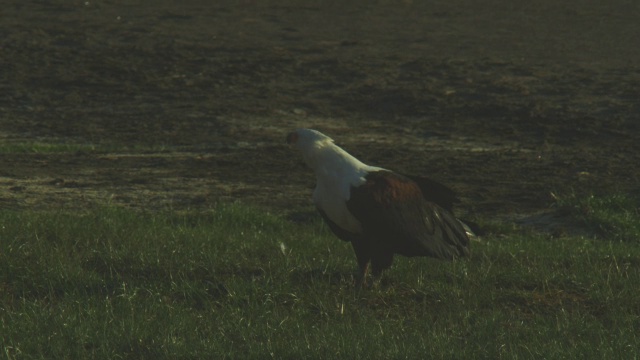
(188, 103)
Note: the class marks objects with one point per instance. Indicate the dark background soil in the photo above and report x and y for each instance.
(506, 101)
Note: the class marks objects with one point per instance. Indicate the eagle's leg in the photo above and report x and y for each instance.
(376, 273)
(379, 263)
(363, 254)
(361, 280)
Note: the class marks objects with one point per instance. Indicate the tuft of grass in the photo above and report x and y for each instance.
(237, 282)
(614, 216)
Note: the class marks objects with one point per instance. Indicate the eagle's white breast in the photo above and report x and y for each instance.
(336, 174)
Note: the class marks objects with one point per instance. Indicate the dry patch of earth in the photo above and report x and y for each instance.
(188, 104)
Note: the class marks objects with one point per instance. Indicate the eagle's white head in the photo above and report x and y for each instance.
(310, 143)
(303, 138)
(320, 153)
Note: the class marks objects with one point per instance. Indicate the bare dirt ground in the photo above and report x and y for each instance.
(506, 101)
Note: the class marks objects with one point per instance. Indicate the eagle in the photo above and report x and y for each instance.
(379, 211)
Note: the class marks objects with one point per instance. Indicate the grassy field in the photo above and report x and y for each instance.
(236, 282)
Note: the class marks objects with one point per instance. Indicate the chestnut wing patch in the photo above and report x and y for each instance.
(397, 218)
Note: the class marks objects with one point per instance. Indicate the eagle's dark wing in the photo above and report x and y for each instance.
(397, 219)
(341, 233)
(435, 192)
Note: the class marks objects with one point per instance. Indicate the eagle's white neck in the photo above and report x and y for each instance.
(328, 159)
(336, 173)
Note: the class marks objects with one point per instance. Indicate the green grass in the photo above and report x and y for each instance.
(235, 282)
(614, 216)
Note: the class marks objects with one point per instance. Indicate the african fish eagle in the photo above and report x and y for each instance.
(379, 211)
